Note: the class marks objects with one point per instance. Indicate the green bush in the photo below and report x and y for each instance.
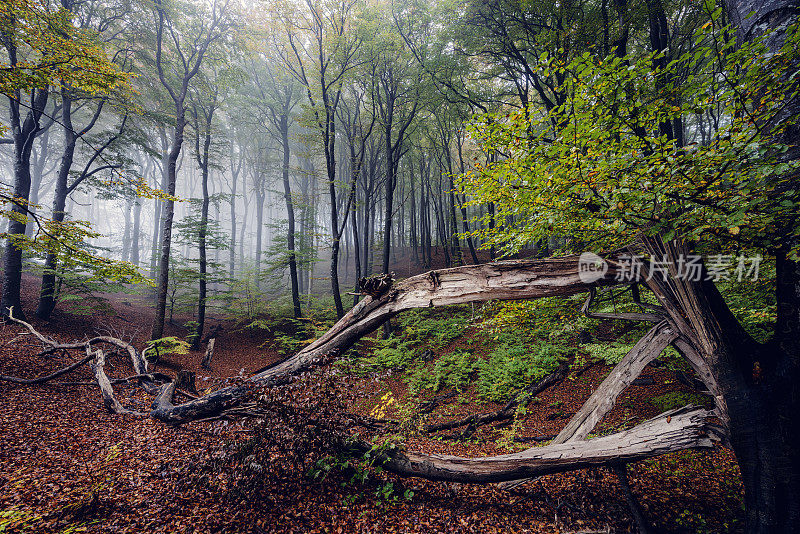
(451, 370)
(417, 330)
(611, 353)
(432, 328)
(678, 399)
(515, 365)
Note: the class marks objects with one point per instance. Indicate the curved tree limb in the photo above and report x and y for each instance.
(504, 280)
(684, 428)
(47, 378)
(106, 390)
(603, 398)
(137, 358)
(631, 366)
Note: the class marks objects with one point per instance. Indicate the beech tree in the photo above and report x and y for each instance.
(277, 96)
(322, 51)
(613, 176)
(188, 47)
(44, 50)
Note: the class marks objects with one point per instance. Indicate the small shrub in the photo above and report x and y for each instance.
(451, 370)
(165, 346)
(678, 399)
(516, 364)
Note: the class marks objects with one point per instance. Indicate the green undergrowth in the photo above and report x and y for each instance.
(678, 399)
(283, 332)
(453, 348)
(518, 360)
(416, 332)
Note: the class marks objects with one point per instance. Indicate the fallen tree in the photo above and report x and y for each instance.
(508, 280)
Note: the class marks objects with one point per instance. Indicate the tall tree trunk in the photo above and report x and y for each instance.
(287, 196)
(137, 231)
(126, 233)
(24, 133)
(159, 204)
(413, 222)
(235, 170)
(463, 205)
(244, 227)
(202, 155)
(757, 387)
(166, 235)
(39, 162)
(47, 294)
(260, 196)
(762, 388)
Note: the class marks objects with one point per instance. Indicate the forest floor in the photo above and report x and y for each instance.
(68, 466)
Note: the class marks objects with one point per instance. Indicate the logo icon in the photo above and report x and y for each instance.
(591, 267)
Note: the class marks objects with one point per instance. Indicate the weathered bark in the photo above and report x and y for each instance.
(603, 398)
(672, 431)
(506, 280)
(759, 411)
(206, 363)
(106, 390)
(50, 346)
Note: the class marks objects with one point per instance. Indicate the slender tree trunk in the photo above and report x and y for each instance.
(137, 231)
(202, 156)
(47, 294)
(413, 222)
(159, 204)
(166, 235)
(356, 251)
(244, 228)
(232, 250)
(463, 206)
(260, 194)
(39, 162)
(455, 243)
(24, 134)
(126, 233)
(287, 196)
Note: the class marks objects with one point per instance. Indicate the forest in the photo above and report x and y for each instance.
(400, 266)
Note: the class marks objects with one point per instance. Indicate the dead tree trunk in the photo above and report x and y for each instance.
(206, 363)
(671, 431)
(676, 430)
